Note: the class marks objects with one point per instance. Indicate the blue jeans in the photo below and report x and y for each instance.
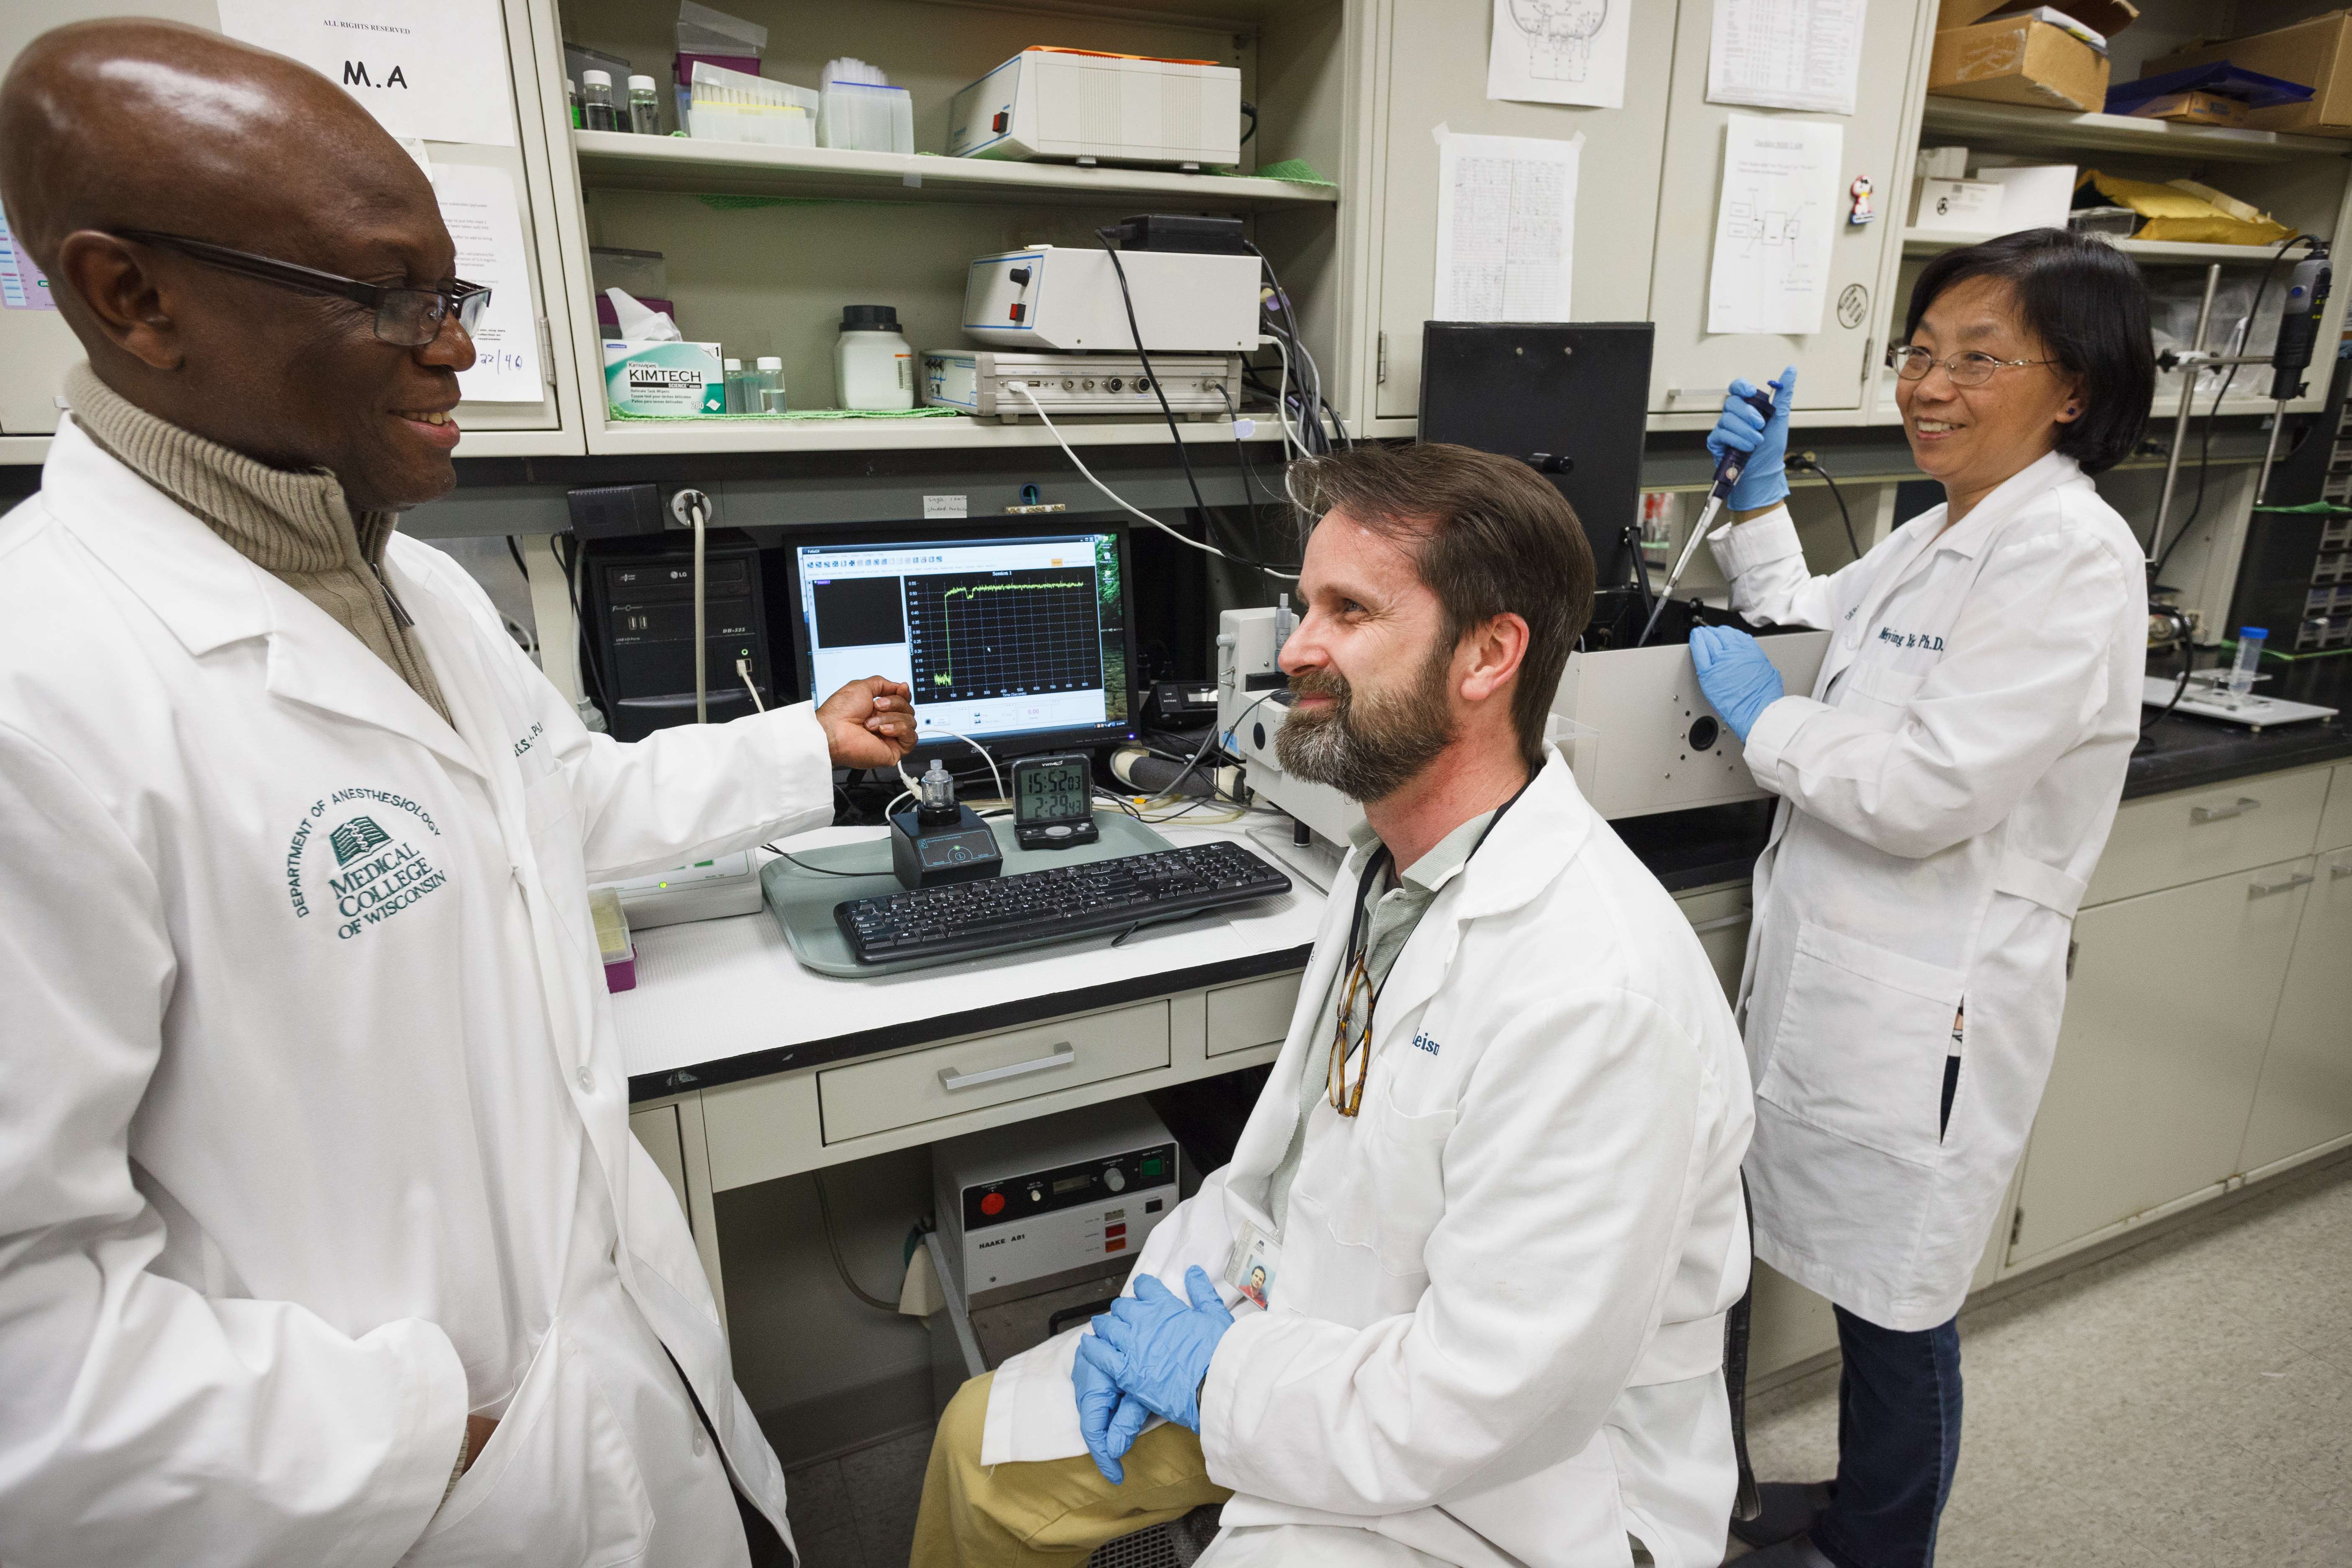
(1898, 1444)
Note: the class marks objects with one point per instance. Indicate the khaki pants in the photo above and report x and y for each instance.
(1053, 1513)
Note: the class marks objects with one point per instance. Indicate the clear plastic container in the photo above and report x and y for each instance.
(2250, 655)
(867, 117)
(732, 106)
(873, 364)
(596, 110)
(644, 106)
(734, 372)
(763, 389)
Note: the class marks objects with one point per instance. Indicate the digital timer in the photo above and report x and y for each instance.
(1053, 802)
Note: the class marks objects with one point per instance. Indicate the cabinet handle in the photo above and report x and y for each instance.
(2341, 869)
(1061, 1056)
(2264, 889)
(2199, 814)
(1744, 916)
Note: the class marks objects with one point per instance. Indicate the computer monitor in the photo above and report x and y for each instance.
(1017, 639)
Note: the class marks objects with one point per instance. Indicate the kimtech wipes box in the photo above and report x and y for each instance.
(674, 378)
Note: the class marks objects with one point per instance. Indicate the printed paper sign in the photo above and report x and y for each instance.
(432, 69)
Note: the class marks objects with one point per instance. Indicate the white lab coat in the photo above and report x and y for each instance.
(314, 1131)
(1946, 791)
(1497, 1328)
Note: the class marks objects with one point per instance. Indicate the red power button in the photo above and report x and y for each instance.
(991, 1203)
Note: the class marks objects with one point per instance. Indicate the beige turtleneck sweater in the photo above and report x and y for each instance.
(295, 527)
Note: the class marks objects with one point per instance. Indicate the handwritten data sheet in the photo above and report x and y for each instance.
(1506, 227)
(1560, 51)
(1786, 54)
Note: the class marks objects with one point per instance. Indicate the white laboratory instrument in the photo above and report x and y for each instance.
(705, 890)
(1067, 298)
(2210, 696)
(1050, 1201)
(980, 382)
(1636, 730)
(1050, 103)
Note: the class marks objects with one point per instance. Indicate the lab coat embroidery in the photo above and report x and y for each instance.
(377, 870)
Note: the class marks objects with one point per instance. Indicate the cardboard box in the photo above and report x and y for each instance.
(2018, 61)
(2194, 108)
(2317, 53)
(2107, 17)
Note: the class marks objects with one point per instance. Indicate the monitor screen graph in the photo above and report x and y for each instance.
(1001, 638)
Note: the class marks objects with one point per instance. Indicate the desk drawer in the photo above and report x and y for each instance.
(923, 1086)
(2335, 826)
(1255, 1014)
(2170, 840)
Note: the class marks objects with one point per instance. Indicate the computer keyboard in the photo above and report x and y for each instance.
(1032, 907)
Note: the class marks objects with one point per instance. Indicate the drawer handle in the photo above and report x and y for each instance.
(2199, 814)
(1061, 1056)
(2264, 889)
(2341, 869)
(1742, 917)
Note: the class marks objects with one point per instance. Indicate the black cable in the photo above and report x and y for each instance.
(2180, 686)
(819, 870)
(2205, 444)
(832, 1245)
(1160, 393)
(1807, 462)
(1250, 110)
(1249, 493)
(584, 648)
(516, 551)
(1298, 344)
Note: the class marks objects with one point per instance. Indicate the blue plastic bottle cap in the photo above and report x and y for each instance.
(2253, 632)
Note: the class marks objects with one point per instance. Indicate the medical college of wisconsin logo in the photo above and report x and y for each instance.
(360, 856)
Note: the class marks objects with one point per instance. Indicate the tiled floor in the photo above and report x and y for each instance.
(2185, 1403)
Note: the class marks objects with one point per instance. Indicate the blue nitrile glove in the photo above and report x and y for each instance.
(1157, 1348)
(1108, 1419)
(1736, 676)
(1765, 441)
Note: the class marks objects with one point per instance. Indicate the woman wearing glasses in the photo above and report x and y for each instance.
(1946, 789)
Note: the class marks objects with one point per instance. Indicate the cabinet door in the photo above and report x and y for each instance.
(1436, 74)
(1692, 365)
(2305, 1098)
(39, 348)
(2167, 1017)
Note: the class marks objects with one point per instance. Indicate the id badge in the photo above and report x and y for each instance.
(1256, 1258)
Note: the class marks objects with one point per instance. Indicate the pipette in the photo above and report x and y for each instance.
(1727, 470)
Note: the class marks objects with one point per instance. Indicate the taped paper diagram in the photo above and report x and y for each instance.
(1773, 224)
(1560, 51)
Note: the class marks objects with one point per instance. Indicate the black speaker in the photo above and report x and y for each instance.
(1570, 399)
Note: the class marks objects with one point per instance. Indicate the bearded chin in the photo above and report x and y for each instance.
(1368, 751)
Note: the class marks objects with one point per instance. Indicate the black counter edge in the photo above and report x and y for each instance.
(951, 1025)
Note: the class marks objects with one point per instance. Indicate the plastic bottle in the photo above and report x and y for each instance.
(872, 365)
(644, 106)
(734, 372)
(572, 100)
(2250, 654)
(763, 389)
(596, 112)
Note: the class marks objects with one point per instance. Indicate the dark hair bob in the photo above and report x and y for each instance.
(2086, 300)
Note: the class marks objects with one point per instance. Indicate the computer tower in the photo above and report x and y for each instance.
(1570, 399)
(640, 607)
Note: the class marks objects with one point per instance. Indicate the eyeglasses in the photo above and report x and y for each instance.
(1352, 1043)
(1970, 369)
(405, 318)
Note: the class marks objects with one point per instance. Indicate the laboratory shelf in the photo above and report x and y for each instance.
(613, 160)
(1927, 242)
(645, 438)
(2016, 128)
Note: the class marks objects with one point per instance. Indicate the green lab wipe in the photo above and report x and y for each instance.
(664, 378)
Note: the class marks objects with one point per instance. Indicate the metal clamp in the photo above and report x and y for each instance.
(2199, 814)
(1062, 1055)
(2264, 889)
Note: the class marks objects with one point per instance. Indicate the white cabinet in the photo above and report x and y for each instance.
(2305, 1095)
(39, 348)
(2168, 1017)
(1836, 365)
(1432, 71)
